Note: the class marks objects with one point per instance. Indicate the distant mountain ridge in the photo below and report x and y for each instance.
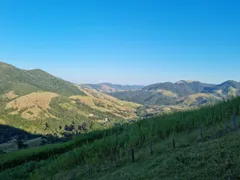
(180, 95)
(182, 88)
(109, 87)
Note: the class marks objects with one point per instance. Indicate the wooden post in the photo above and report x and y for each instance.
(235, 122)
(133, 159)
(174, 144)
(201, 132)
(226, 129)
(73, 175)
(89, 171)
(150, 148)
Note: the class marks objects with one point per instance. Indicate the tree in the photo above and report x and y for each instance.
(46, 126)
(20, 143)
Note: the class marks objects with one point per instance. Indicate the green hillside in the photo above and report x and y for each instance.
(24, 82)
(39, 103)
(200, 144)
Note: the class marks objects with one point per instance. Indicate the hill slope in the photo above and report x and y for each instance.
(165, 147)
(107, 103)
(37, 102)
(23, 82)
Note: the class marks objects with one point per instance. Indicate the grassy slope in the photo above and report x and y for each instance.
(67, 113)
(217, 159)
(24, 82)
(105, 155)
(62, 112)
(106, 103)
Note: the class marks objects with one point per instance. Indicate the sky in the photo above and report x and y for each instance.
(123, 41)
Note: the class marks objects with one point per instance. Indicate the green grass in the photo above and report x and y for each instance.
(218, 159)
(105, 154)
(44, 152)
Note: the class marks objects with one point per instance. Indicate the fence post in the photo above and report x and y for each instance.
(226, 128)
(89, 171)
(235, 122)
(133, 159)
(201, 132)
(150, 148)
(174, 144)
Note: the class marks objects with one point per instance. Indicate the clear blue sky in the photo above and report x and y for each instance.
(123, 41)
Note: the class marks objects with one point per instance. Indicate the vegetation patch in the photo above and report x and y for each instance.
(200, 99)
(32, 105)
(10, 95)
(167, 93)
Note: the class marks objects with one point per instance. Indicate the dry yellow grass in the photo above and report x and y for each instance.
(107, 88)
(2, 121)
(232, 91)
(107, 103)
(219, 92)
(193, 98)
(32, 105)
(10, 95)
(167, 93)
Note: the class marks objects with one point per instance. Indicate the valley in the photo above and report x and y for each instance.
(39, 103)
(54, 129)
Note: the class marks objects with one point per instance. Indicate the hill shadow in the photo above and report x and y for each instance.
(9, 134)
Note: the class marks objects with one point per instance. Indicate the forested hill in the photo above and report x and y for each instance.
(26, 81)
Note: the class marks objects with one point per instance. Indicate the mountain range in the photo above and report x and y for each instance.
(142, 94)
(109, 87)
(40, 103)
(168, 96)
(171, 93)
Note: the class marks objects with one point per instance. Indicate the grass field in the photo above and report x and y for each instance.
(171, 146)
